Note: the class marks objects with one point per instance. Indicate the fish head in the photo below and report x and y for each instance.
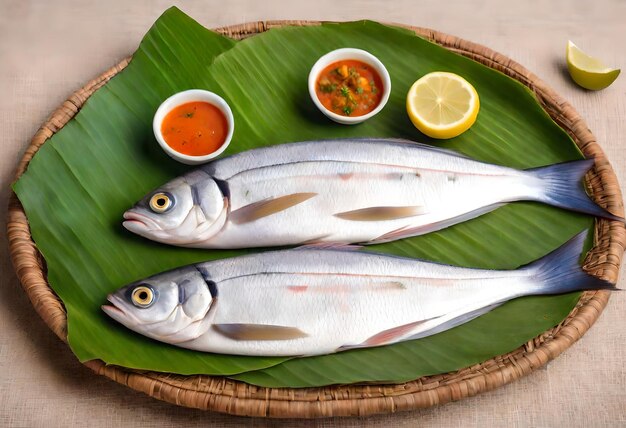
(171, 307)
(185, 211)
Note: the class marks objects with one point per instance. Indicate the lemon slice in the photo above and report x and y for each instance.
(442, 105)
(588, 72)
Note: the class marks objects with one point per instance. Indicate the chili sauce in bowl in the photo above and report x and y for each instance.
(193, 126)
(349, 85)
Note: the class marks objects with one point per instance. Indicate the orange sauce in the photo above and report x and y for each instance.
(195, 129)
(349, 88)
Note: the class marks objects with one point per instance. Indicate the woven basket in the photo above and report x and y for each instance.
(229, 396)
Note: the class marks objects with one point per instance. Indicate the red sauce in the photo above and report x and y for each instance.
(349, 88)
(195, 129)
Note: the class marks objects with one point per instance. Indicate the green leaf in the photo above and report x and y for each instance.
(82, 180)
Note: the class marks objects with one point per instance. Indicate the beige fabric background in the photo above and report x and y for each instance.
(49, 49)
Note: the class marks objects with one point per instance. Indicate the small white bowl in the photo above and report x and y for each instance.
(355, 54)
(185, 97)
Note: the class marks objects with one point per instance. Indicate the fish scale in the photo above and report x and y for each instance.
(317, 301)
(348, 191)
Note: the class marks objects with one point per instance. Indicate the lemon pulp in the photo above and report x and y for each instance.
(442, 105)
(588, 72)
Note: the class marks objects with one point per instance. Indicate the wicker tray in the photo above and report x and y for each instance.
(229, 396)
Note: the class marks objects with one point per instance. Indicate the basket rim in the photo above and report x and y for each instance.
(234, 397)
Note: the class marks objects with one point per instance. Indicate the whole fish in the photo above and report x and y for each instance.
(347, 191)
(320, 301)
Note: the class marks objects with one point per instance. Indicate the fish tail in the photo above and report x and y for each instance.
(559, 271)
(562, 187)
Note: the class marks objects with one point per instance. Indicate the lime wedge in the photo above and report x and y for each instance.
(588, 72)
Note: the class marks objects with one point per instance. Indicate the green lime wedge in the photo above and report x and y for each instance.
(588, 72)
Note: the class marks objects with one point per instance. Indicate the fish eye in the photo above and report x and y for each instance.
(142, 296)
(160, 202)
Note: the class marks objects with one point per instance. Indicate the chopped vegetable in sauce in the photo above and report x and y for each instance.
(349, 88)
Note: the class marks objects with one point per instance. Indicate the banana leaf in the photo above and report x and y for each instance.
(81, 181)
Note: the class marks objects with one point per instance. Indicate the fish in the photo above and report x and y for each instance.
(312, 301)
(365, 191)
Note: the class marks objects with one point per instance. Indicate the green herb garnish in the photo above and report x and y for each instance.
(328, 88)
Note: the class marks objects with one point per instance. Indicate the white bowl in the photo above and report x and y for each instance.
(185, 97)
(355, 54)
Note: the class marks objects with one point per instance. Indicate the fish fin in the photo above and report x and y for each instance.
(337, 246)
(386, 337)
(559, 271)
(455, 321)
(314, 241)
(391, 335)
(381, 213)
(258, 332)
(562, 187)
(266, 207)
(406, 232)
(394, 335)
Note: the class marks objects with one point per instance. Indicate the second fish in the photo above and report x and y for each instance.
(343, 191)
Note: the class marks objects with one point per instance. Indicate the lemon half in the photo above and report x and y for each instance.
(588, 72)
(442, 105)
